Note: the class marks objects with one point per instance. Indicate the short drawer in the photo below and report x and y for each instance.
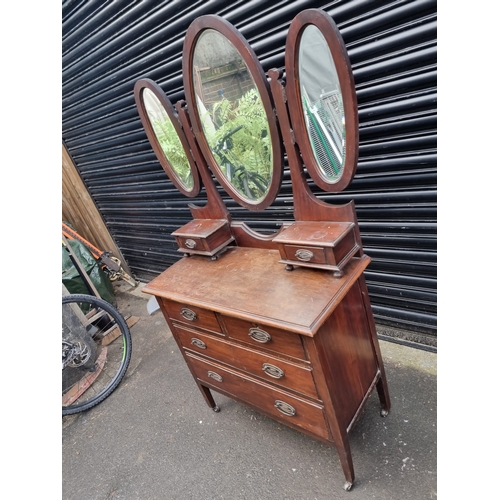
(315, 255)
(191, 315)
(264, 337)
(282, 405)
(283, 373)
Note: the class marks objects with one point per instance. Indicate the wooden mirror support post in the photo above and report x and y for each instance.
(300, 347)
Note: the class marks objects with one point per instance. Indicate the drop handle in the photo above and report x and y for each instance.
(198, 343)
(273, 371)
(285, 408)
(304, 255)
(259, 335)
(188, 314)
(214, 375)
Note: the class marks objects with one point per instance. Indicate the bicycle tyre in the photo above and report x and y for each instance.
(106, 337)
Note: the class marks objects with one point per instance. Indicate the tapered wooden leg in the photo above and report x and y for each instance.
(208, 397)
(382, 388)
(344, 451)
(383, 395)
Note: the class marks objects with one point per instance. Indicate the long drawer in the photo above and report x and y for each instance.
(284, 373)
(280, 404)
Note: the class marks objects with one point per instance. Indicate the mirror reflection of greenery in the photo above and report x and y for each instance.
(173, 150)
(242, 144)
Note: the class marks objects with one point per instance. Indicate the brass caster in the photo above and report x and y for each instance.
(347, 486)
(384, 413)
(216, 409)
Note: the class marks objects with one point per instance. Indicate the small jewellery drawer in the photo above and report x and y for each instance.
(321, 244)
(280, 404)
(283, 373)
(305, 254)
(264, 337)
(194, 316)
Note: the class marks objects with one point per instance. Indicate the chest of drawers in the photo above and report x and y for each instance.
(299, 347)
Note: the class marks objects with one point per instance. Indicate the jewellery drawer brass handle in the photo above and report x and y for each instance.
(304, 255)
(215, 376)
(198, 343)
(284, 408)
(273, 371)
(188, 314)
(190, 243)
(259, 335)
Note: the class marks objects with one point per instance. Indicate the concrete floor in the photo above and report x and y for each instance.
(155, 438)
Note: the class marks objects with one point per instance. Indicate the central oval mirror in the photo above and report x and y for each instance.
(233, 111)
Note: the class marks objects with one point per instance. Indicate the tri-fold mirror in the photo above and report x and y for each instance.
(237, 124)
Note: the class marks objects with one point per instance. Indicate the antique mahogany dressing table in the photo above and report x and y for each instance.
(282, 322)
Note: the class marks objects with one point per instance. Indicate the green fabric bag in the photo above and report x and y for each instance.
(71, 277)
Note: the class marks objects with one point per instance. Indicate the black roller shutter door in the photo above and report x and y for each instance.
(108, 46)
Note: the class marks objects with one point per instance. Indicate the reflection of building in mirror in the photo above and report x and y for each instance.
(232, 115)
(219, 70)
(326, 128)
(322, 103)
(168, 139)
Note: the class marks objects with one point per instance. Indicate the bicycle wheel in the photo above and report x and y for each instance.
(96, 350)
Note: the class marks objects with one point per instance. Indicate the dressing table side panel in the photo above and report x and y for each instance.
(344, 349)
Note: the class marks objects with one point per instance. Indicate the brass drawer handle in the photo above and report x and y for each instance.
(284, 408)
(215, 376)
(259, 335)
(198, 343)
(304, 255)
(188, 314)
(273, 371)
(190, 243)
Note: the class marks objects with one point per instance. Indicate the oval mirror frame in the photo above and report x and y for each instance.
(328, 29)
(227, 30)
(139, 87)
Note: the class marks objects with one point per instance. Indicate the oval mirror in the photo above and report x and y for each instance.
(228, 94)
(324, 116)
(166, 136)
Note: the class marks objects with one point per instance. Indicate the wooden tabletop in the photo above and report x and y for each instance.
(251, 284)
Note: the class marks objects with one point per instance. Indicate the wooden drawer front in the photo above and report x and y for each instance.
(191, 315)
(280, 404)
(271, 369)
(264, 337)
(308, 254)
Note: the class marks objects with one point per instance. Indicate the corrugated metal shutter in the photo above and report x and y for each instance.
(108, 46)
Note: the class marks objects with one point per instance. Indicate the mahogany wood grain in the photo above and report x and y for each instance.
(204, 318)
(203, 236)
(256, 288)
(280, 341)
(247, 237)
(297, 377)
(234, 316)
(308, 414)
(215, 207)
(306, 206)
